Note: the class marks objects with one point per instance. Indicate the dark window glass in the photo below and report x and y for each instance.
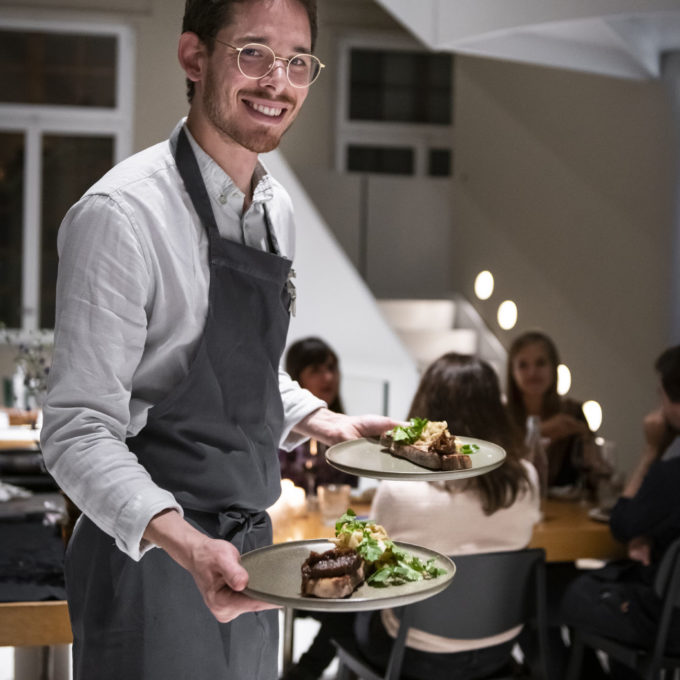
(439, 163)
(382, 159)
(57, 68)
(12, 147)
(70, 165)
(404, 87)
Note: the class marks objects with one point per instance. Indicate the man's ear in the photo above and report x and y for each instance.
(191, 53)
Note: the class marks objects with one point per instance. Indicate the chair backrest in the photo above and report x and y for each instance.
(670, 565)
(490, 593)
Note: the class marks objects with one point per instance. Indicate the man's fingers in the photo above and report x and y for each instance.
(227, 604)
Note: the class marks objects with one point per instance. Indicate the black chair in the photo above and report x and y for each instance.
(648, 663)
(490, 593)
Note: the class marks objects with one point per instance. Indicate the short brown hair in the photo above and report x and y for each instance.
(206, 18)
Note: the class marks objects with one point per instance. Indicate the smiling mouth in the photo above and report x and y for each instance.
(270, 111)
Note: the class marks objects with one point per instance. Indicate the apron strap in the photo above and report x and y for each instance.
(193, 181)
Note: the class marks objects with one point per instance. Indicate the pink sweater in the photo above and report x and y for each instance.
(463, 528)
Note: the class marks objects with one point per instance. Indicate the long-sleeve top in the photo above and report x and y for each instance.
(132, 301)
(455, 525)
(654, 511)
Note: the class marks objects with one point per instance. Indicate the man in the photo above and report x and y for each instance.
(618, 601)
(166, 405)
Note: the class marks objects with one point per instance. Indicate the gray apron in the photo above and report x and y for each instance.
(213, 443)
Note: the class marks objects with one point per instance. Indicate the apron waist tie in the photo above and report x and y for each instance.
(231, 525)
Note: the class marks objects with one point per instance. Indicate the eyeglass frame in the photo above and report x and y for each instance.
(273, 64)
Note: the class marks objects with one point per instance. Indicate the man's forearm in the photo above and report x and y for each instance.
(639, 473)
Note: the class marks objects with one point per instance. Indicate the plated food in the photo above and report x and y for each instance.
(363, 552)
(429, 444)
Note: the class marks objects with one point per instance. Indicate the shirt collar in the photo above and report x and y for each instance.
(217, 181)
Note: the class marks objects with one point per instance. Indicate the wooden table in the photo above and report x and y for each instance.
(567, 533)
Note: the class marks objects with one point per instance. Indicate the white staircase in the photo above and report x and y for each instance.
(430, 328)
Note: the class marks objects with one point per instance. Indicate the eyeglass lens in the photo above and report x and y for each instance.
(255, 61)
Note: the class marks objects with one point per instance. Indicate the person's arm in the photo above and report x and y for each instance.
(214, 564)
(100, 334)
(563, 425)
(331, 428)
(646, 498)
(657, 433)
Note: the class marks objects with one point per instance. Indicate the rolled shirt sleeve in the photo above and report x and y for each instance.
(298, 403)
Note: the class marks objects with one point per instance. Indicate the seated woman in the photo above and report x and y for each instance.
(315, 366)
(487, 513)
(532, 391)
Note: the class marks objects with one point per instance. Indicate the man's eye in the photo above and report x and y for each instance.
(251, 53)
(299, 62)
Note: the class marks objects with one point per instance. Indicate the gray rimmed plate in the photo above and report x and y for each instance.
(275, 577)
(369, 458)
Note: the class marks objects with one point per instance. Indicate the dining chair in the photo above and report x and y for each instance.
(648, 663)
(489, 594)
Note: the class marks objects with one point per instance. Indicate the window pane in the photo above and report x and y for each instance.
(407, 87)
(70, 165)
(57, 68)
(12, 146)
(439, 163)
(388, 160)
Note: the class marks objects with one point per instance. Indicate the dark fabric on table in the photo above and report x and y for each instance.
(31, 562)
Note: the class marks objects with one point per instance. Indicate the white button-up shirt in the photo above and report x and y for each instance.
(132, 301)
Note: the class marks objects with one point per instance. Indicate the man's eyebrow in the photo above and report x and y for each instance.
(244, 40)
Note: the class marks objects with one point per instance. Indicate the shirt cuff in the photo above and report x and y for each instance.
(135, 517)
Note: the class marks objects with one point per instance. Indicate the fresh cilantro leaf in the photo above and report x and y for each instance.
(370, 549)
(409, 434)
(469, 448)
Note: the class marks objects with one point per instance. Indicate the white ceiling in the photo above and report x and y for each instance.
(608, 37)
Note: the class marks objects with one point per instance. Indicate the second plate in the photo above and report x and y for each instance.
(368, 458)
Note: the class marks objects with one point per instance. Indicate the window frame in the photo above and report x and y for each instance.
(419, 136)
(36, 120)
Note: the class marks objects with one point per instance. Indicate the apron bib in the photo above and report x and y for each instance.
(213, 443)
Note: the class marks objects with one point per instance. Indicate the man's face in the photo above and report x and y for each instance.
(671, 410)
(256, 113)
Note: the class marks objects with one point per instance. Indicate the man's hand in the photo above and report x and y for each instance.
(640, 549)
(214, 564)
(657, 431)
(331, 428)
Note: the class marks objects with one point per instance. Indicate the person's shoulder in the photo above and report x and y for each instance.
(151, 165)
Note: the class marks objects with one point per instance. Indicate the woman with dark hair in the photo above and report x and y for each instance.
(532, 391)
(315, 366)
(486, 513)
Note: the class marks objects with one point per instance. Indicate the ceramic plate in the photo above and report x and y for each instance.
(368, 458)
(275, 577)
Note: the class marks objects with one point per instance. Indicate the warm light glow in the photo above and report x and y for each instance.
(563, 379)
(593, 413)
(507, 315)
(484, 285)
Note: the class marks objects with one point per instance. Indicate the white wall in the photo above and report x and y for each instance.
(334, 303)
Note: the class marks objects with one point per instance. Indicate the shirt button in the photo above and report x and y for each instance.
(222, 199)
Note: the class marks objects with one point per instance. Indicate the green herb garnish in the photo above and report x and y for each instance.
(409, 434)
(469, 448)
(393, 565)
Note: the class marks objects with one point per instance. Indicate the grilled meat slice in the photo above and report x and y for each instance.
(335, 573)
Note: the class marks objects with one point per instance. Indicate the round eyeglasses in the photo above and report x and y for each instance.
(256, 61)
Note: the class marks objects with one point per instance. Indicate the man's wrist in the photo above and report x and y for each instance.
(172, 533)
